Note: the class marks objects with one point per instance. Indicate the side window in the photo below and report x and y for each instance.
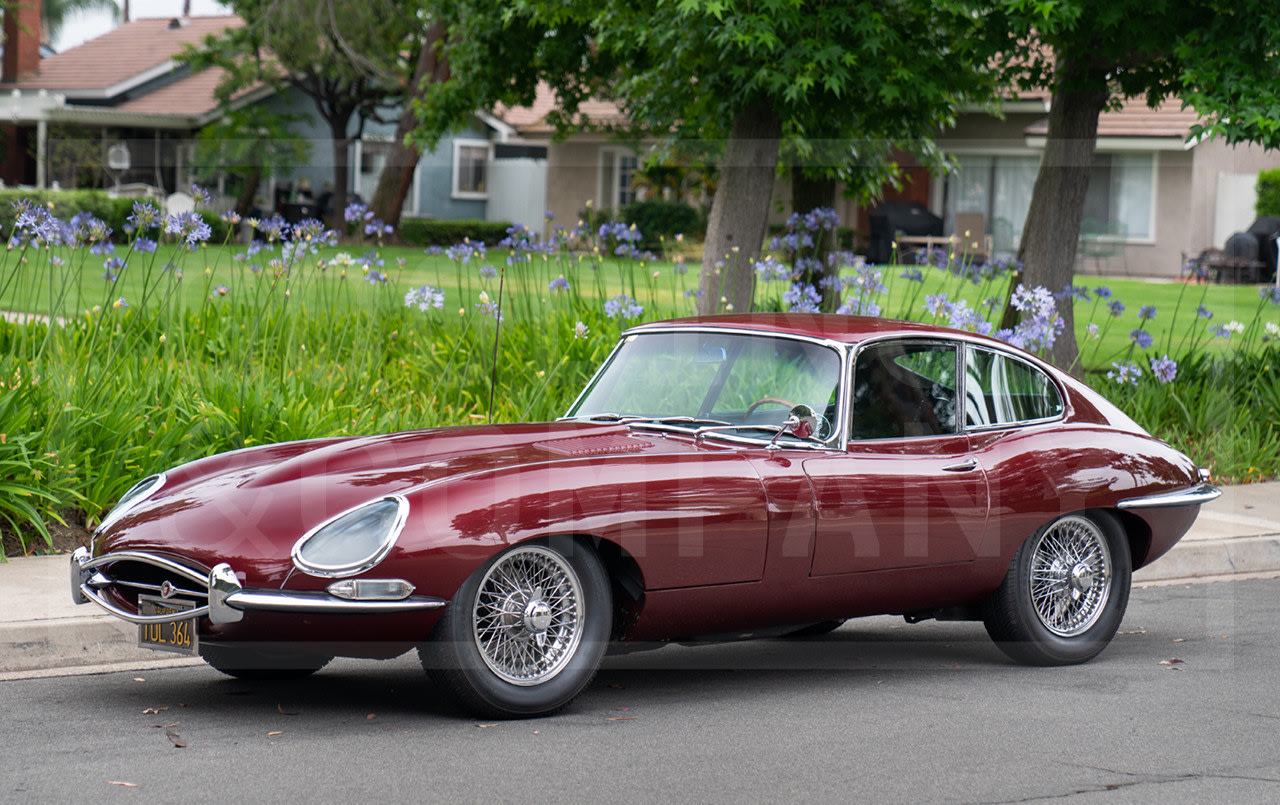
(1000, 390)
(904, 389)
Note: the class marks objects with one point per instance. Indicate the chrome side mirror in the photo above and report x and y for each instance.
(801, 422)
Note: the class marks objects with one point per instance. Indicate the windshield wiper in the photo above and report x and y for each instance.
(687, 420)
(605, 417)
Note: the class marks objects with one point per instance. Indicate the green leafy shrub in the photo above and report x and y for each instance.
(430, 232)
(1269, 192)
(661, 219)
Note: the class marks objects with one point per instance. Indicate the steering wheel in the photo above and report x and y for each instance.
(767, 401)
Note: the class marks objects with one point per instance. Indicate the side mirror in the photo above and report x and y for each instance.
(802, 422)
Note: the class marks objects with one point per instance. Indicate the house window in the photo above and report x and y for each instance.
(470, 169)
(617, 177)
(373, 157)
(1121, 195)
(996, 186)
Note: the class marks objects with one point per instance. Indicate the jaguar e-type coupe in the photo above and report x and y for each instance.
(719, 476)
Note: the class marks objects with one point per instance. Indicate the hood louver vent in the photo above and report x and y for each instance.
(580, 446)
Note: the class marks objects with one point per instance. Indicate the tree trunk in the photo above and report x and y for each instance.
(740, 212)
(397, 176)
(809, 194)
(244, 203)
(341, 169)
(1052, 230)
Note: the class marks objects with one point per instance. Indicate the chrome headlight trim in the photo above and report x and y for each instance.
(129, 500)
(359, 564)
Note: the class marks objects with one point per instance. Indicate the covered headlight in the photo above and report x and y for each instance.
(137, 493)
(354, 541)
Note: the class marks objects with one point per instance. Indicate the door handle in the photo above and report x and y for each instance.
(968, 465)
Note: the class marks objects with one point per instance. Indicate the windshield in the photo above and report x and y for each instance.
(748, 381)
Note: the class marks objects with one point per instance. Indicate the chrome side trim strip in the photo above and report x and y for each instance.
(323, 603)
(1195, 496)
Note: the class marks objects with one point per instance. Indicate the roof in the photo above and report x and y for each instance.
(532, 119)
(124, 53)
(1135, 119)
(128, 76)
(829, 326)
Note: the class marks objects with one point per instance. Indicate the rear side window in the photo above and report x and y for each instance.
(1002, 390)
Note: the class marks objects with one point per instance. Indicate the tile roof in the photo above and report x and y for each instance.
(533, 119)
(121, 54)
(1136, 119)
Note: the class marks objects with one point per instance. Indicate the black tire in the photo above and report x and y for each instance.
(525, 633)
(255, 663)
(1065, 593)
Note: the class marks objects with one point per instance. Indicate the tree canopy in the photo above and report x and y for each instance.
(1221, 57)
(352, 58)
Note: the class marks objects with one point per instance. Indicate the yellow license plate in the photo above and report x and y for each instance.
(176, 636)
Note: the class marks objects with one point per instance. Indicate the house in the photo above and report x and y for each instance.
(1154, 196)
(120, 112)
(115, 111)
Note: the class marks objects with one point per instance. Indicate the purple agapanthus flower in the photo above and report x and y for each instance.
(1141, 337)
(622, 306)
(1126, 372)
(802, 298)
(424, 298)
(1164, 368)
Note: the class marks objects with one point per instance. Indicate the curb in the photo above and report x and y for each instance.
(1215, 557)
(69, 642)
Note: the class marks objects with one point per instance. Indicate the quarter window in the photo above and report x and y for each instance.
(1001, 390)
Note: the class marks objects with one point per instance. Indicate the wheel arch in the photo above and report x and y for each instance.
(626, 579)
(1136, 532)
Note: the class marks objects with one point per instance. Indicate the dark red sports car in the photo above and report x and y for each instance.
(748, 473)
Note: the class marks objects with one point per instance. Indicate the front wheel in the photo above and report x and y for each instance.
(1064, 594)
(525, 633)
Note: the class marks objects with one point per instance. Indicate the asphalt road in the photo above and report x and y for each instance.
(1182, 707)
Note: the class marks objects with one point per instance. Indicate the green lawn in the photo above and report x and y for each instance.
(225, 276)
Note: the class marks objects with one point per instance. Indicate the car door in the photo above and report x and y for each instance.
(907, 492)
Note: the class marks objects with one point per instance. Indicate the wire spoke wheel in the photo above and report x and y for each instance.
(528, 616)
(1065, 592)
(1070, 576)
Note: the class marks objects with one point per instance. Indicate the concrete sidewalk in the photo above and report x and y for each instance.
(41, 629)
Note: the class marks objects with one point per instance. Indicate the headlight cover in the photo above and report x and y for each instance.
(137, 493)
(353, 541)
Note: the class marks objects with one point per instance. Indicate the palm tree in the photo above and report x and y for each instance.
(55, 13)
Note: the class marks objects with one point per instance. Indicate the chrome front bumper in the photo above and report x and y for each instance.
(1195, 496)
(226, 600)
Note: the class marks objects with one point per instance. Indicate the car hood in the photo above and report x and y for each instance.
(250, 506)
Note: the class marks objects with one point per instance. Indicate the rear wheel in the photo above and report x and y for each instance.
(525, 633)
(1065, 592)
(252, 662)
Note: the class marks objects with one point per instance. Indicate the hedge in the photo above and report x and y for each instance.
(1269, 192)
(431, 232)
(657, 219)
(114, 212)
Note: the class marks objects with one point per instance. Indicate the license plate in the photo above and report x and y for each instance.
(176, 636)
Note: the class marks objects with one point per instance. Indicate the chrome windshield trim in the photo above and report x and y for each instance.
(1195, 496)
